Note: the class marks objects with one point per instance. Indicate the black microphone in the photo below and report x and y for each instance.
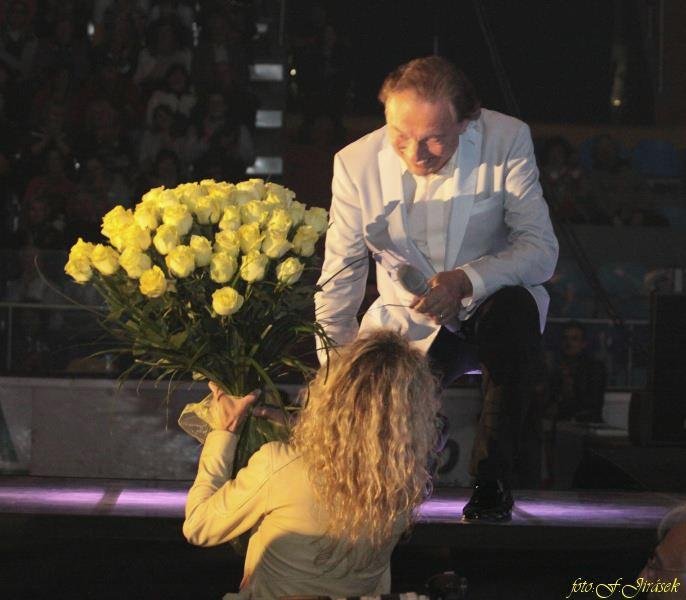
(413, 280)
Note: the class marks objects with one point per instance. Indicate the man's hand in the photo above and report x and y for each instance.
(444, 300)
(230, 411)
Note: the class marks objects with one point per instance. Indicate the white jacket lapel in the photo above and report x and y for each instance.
(468, 158)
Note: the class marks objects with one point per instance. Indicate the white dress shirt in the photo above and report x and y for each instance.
(428, 199)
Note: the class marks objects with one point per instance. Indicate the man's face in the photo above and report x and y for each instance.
(669, 561)
(424, 134)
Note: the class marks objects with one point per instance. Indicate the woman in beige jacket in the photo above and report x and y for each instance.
(327, 508)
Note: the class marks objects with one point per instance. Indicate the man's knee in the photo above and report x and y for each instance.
(511, 312)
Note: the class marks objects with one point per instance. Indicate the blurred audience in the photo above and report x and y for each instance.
(323, 65)
(18, 42)
(616, 189)
(176, 92)
(576, 390)
(577, 380)
(166, 46)
(565, 185)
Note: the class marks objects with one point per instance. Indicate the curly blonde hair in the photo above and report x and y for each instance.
(366, 435)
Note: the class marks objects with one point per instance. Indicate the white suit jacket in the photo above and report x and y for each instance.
(499, 228)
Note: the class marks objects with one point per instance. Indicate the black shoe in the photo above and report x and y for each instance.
(490, 501)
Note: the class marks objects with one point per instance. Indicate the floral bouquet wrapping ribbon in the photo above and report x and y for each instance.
(212, 280)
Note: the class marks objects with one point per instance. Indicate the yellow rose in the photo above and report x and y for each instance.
(207, 210)
(318, 219)
(275, 244)
(249, 237)
(79, 269)
(255, 211)
(146, 216)
(253, 266)
(289, 271)
(280, 193)
(241, 197)
(189, 194)
(81, 250)
(134, 262)
(152, 196)
(222, 194)
(115, 220)
(280, 221)
(297, 212)
(166, 238)
(179, 216)
(222, 267)
(165, 199)
(231, 219)
(202, 249)
(253, 188)
(105, 259)
(226, 301)
(132, 236)
(152, 282)
(181, 261)
(227, 241)
(304, 240)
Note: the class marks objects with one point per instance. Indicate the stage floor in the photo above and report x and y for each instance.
(540, 518)
(115, 538)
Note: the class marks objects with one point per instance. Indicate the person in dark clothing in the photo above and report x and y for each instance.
(577, 379)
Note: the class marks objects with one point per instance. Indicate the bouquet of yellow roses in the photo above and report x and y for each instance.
(210, 279)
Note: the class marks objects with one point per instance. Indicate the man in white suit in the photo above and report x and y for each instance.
(452, 190)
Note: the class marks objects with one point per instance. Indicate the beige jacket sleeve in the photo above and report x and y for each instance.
(218, 508)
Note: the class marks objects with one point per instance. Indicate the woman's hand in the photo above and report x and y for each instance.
(229, 410)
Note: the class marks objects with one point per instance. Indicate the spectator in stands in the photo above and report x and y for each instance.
(242, 103)
(64, 48)
(58, 87)
(165, 132)
(166, 171)
(564, 184)
(121, 41)
(10, 198)
(9, 99)
(327, 508)
(576, 390)
(107, 12)
(18, 43)
(103, 136)
(52, 183)
(177, 9)
(220, 42)
(615, 188)
(98, 191)
(107, 82)
(577, 380)
(166, 47)
(176, 92)
(322, 61)
(228, 155)
(43, 227)
(668, 561)
(212, 115)
(51, 11)
(50, 134)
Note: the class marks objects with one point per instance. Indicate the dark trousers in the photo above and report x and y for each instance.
(503, 339)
